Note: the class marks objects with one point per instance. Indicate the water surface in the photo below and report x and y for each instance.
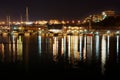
(65, 57)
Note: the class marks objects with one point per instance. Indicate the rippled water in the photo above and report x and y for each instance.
(65, 57)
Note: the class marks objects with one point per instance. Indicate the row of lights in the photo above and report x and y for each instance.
(42, 22)
(56, 22)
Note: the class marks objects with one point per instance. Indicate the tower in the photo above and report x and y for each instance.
(27, 14)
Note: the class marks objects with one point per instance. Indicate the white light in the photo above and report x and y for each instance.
(97, 32)
(39, 28)
(85, 30)
(108, 32)
(55, 30)
(28, 23)
(117, 32)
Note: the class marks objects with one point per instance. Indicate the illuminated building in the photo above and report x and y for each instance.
(54, 22)
(97, 18)
(108, 13)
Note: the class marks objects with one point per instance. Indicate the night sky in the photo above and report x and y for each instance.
(55, 9)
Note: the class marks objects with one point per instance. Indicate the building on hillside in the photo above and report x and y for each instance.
(97, 18)
(108, 13)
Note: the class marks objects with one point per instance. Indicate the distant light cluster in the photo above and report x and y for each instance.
(41, 22)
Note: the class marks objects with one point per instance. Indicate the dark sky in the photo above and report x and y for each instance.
(55, 9)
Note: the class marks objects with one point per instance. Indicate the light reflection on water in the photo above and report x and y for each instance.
(69, 48)
(117, 45)
(103, 54)
(84, 48)
(76, 52)
(11, 48)
(64, 46)
(73, 49)
(55, 48)
(97, 47)
(89, 48)
(81, 44)
(39, 45)
(117, 48)
(108, 46)
(19, 48)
